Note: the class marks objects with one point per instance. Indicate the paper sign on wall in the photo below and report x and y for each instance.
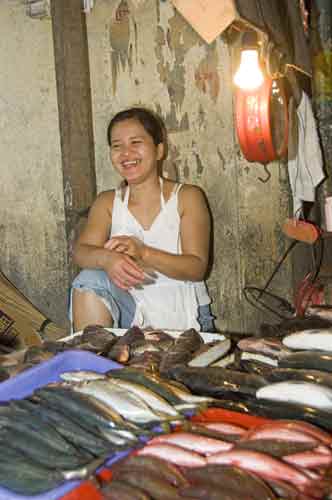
(208, 17)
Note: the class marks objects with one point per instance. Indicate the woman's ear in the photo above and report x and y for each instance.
(160, 151)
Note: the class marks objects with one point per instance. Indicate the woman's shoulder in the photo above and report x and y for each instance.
(104, 201)
(191, 195)
(191, 191)
(106, 196)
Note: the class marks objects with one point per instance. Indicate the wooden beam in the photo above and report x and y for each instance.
(75, 114)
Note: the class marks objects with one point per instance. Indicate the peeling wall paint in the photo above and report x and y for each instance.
(31, 197)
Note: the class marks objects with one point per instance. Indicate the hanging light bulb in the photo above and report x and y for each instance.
(249, 75)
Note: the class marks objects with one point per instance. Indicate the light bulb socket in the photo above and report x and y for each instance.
(249, 40)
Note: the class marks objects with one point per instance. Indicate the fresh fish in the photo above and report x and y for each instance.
(33, 479)
(39, 451)
(165, 469)
(153, 382)
(312, 360)
(128, 404)
(310, 339)
(258, 357)
(309, 459)
(200, 444)
(208, 355)
(182, 350)
(120, 351)
(225, 361)
(274, 447)
(215, 381)
(208, 491)
(298, 392)
(321, 311)
(81, 376)
(266, 346)
(211, 433)
(156, 402)
(185, 395)
(314, 376)
(257, 368)
(158, 335)
(297, 324)
(224, 428)
(264, 465)
(282, 432)
(284, 490)
(151, 483)
(72, 431)
(80, 406)
(231, 478)
(144, 346)
(174, 454)
(119, 490)
(301, 427)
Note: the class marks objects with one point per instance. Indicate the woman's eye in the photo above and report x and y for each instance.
(115, 146)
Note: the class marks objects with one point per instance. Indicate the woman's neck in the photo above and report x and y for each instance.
(147, 189)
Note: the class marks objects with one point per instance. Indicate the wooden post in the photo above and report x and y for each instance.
(75, 115)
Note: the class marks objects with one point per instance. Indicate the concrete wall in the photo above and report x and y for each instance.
(33, 252)
(145, 55)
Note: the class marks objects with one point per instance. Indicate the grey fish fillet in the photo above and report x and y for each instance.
(119, 490)
(312, 360)
(153, 484)
(274, 447)
(314, 376)
(231, 478)
(168, 471)
(215, 381)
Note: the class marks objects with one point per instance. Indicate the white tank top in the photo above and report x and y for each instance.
(167, 303)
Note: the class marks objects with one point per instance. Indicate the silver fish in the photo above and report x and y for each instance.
(81, 376)
(318, 339)
(128, 404)
(293, 391)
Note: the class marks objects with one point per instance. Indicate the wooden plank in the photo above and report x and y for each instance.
(75, 114)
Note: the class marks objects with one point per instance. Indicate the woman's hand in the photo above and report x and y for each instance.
(128, 245)
(124, 271)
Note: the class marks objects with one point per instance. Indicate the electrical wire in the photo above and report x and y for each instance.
(259, 297)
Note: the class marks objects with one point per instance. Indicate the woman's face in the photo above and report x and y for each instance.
(133, 152)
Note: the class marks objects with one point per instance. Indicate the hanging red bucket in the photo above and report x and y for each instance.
(262, 122)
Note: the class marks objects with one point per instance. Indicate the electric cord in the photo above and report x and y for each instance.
(264, 300)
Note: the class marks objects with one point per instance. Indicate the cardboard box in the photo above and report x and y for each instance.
(20, 318)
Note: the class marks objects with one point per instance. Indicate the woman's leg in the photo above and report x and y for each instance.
(94, 299)
(89, 309)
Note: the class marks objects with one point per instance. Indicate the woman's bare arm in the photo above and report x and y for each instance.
(89, 251)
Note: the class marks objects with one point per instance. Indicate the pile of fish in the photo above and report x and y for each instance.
(218, 460)
(65, 430)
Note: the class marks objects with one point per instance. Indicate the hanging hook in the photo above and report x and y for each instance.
(268, 175)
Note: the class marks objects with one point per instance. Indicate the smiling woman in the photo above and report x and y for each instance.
(145, 248)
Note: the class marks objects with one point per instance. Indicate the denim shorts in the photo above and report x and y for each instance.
(120, 303)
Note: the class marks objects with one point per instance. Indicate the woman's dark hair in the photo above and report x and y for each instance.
(151, 122)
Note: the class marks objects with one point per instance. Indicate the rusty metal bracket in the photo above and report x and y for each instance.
(38, 9)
